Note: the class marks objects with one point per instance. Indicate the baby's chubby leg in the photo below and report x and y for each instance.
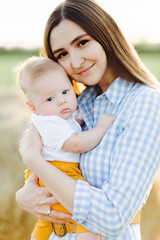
(88, 236)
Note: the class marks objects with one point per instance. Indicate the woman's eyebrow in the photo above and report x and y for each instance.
(77, 38)
(71, 43)
(58, 50)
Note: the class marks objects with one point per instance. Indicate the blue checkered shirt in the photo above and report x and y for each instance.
(122, 168)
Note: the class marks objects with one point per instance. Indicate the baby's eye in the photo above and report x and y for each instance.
(82, 43)
(61, 55)
(65, 92)
(50, 99)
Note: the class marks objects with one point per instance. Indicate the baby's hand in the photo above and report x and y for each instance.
(106, 120)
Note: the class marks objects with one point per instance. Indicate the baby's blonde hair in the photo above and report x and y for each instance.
(31, 69)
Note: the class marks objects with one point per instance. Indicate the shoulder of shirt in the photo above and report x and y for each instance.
(40, 118)
(146, 91)
(145, 98)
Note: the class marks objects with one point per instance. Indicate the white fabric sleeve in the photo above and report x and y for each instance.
(56, 132)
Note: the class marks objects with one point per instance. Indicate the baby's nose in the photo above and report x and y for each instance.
(61, 101)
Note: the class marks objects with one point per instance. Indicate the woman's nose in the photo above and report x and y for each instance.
(76, 60)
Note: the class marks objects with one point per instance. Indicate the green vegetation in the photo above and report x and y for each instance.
(8, 60)
(150, 55)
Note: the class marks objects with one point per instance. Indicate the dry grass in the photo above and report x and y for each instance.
(150, 220)
(16, 224)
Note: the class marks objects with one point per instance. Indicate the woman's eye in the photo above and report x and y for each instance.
(65, 92)
(50, 99)
(82, 43)
(61, 55)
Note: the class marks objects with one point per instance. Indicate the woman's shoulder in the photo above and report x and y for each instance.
(143, 99)
(144, 91)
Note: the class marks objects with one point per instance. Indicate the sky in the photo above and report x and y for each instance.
(22, 22)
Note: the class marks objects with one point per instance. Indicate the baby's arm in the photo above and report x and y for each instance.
(87, 140)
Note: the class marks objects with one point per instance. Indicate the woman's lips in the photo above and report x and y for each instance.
(83, 72)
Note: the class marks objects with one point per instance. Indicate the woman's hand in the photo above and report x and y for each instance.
(30, 145)
(37, 201)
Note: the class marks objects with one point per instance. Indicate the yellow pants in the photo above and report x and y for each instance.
(43, 229)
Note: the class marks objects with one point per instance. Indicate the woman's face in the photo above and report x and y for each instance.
(82, 57)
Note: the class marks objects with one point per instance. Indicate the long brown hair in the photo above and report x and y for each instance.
(121, 56)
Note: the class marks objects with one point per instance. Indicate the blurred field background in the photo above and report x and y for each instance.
(16, 224)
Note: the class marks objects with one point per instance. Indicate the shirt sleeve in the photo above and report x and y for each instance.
(135, 161)
(56, 131)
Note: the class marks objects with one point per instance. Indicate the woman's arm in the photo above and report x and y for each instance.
(37, 201)
(55, 180)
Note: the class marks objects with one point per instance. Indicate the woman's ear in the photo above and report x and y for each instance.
(31, 106)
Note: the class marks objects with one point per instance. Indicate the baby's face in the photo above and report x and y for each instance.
(53, 94)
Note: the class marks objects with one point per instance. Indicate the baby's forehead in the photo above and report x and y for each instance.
(61, 83)
(61, 76)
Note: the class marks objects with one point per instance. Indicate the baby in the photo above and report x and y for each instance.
(51, 97)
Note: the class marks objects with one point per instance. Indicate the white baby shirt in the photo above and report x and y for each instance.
(54, 131)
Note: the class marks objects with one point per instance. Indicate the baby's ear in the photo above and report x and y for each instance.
(31, 106)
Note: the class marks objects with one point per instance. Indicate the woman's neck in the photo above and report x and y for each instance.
(107, 80)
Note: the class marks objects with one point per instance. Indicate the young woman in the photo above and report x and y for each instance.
(91, 48)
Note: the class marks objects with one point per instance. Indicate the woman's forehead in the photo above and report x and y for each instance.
(66, 32)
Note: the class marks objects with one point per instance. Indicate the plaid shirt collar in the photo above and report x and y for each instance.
(115, 93)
